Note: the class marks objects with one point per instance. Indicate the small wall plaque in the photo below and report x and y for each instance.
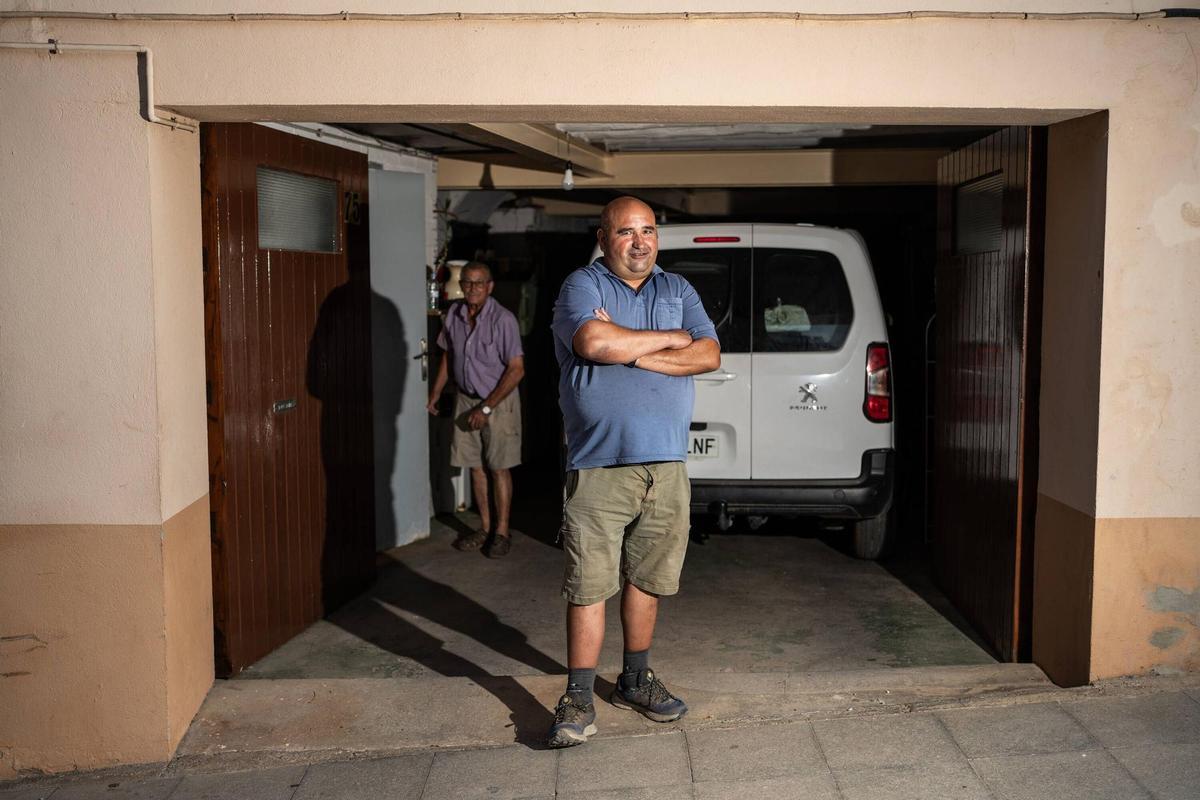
(284, 405)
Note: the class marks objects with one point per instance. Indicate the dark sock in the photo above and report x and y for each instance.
(580, 683)
(633, 665)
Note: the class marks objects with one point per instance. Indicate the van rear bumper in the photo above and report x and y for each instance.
(868, 495)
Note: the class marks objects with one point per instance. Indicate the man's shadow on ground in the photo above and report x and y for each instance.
(401, 587)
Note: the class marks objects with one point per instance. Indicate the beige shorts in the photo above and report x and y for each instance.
(625, 522)
(496, 445)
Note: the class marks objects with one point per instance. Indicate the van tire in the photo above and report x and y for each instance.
(873, 537)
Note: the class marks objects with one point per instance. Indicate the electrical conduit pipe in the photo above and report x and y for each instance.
(146, 86)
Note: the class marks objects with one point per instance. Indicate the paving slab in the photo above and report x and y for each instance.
(935, 780)
(28, 793)
(400, 778)
(765, 751)
(1016, 730)
(1170, 771)
(960, 679)
(501, 772)
(1086, 775)
(680, 792)
(885, 741)
(629, 763)
(155, 789)
(813, 786)
(268, 784)
(1130, 721)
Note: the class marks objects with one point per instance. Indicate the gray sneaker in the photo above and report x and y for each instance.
(573, 723)
(649, 697)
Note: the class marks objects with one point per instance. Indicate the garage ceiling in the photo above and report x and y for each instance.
(474, 142)
(632, 155)
(643, 137)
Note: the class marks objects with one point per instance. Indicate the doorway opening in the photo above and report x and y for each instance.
(537, 234)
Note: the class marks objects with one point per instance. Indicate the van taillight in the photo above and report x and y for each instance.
(707, 239)
(877, 404)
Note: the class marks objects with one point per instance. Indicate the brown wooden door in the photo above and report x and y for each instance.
(289, 384)
(985, 430)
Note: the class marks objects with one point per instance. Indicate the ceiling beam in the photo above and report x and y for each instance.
(674, 199)
(543, 145)
(555, 207)
(825, 167)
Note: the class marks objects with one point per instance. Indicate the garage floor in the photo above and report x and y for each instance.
(779, 600)
(453, 649)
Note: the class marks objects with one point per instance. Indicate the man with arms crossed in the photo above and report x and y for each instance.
(628, 337)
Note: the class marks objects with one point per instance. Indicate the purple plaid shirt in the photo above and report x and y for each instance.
(478, 357)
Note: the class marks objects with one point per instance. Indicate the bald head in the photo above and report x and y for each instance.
(628, 237)
(615, 207)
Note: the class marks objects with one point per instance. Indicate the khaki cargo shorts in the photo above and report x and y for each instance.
(496, 445)
(629, 522)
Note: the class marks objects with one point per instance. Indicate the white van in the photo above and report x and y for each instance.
(798, 419)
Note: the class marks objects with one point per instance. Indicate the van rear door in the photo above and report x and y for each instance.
(716, 261)
(815, 310)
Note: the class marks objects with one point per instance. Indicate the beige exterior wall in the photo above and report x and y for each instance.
(106, 607)
(1146, 607)
(99, 286)
(1148, 385)
(78, 420)
(188, 615)
(108, 648)
(176, 252)
(568, 6)
(85, 684)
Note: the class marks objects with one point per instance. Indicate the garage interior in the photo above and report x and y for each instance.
(780, 597)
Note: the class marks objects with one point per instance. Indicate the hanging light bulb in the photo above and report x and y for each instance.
(485, 179)
(568, 182)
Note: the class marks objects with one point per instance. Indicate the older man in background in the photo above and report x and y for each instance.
(482, 345)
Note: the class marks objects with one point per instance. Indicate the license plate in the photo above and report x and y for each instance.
(705, 446)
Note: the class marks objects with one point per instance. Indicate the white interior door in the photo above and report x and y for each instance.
(398, 329)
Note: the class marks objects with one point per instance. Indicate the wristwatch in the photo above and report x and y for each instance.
(486, 409)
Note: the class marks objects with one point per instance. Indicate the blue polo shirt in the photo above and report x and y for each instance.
(616, 414)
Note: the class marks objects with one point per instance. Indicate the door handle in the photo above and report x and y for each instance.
(716, 377)
(423, 357)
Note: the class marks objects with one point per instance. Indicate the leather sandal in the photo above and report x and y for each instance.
(471, 541)
(499, 547)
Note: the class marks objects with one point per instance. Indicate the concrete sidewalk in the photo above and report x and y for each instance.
(245, 720)
(1121, 740)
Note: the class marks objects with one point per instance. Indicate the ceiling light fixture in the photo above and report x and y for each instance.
(485, 178)
(568, 182)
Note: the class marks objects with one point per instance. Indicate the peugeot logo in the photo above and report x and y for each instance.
(808, 393)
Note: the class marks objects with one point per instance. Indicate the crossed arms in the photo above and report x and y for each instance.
(672, 352)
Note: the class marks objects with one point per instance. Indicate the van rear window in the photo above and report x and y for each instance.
(801, 301)
(713, 272)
